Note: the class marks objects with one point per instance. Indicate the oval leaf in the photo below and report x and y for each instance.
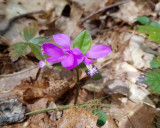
(154, 33)
(83, 41)
(155, 24)
(143, 20)
(102, 117)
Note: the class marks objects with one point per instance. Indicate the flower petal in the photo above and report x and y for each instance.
(69, 62)
(87, 61)
(98, 51)
(78, 55)
(52, 50)
(62, 40)
(55, 60)
(41, 64)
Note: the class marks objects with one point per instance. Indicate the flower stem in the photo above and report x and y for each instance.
(78, 83)
(64, 107)
(77, 72)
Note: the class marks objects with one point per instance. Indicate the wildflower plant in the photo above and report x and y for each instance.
(151, 77)
(62, 53)
(70, 58)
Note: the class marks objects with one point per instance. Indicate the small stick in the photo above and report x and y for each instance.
(12, 20)
(103, 9)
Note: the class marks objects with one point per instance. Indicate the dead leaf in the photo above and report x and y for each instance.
(134, 115)
(131, 10)
(78, 118)
(88, 5)
(10, 81)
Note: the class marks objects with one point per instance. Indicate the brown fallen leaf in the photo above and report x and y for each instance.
(51, 83)
(10, 81)
(39, 120)
(110, 123)
(28, 92)
(133, 115)
(78, 118)
(131, 10)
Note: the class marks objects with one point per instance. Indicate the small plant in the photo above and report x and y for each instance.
(20, 48)
(61, 54)
(151, 77)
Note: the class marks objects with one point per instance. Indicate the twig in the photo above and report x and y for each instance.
(12, 20)
(103, 9)
(65, 107)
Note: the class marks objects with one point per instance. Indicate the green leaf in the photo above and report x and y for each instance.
(97, 76)
(38, 41)
(36, 50)
(18, 49)
(143, 20)
(30, 31)
(102, 117)
(82, 66)
(154, 33)
(83, 41)
(154, 64)
(155, 24)
(152, 79)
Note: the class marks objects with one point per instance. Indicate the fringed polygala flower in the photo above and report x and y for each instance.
(69, 58)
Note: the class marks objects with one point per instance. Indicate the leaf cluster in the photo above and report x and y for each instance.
(34, 43)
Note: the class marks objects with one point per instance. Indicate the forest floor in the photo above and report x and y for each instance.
(127, 103)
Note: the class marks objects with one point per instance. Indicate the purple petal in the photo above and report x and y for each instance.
(55, 60)
(62, 40)
(87, 61)
(76, 51)
(98, 51)
(52, 50)
(69, 62)
(78, 55)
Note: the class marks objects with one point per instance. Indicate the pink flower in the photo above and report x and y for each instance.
(68, 58)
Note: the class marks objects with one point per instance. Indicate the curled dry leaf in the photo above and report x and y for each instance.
(29, 92)
(57, 88)
(51, 82)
